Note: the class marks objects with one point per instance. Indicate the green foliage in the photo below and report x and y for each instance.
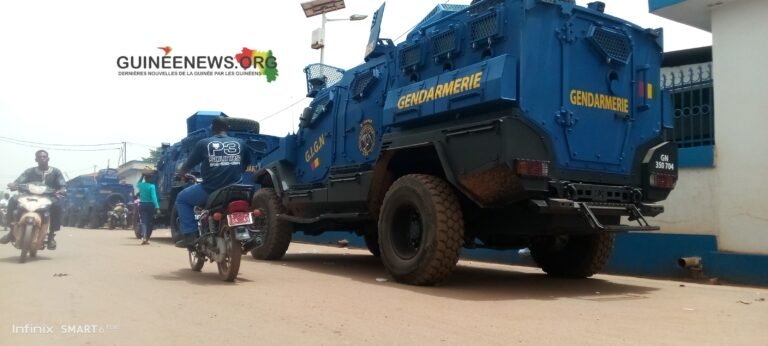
(154, 155)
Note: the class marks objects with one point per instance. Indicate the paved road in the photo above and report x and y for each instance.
(101, 287)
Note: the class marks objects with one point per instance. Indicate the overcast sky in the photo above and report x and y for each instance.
(59, 80)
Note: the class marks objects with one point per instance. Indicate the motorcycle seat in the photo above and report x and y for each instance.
(221, 197)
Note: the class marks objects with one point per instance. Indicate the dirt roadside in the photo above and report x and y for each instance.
(102, 287)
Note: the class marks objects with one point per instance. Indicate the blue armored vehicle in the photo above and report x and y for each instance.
(502, 124)
(91, 196)
(174, 156)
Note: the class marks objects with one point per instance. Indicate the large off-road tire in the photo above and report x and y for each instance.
(82, 220)
(421, 228)
(69, 220)
(64, 218)
(174, 224)
(229, 268)
(244, 125)
(371, 237)
(94, 219)
(278, 233)
(575, 256)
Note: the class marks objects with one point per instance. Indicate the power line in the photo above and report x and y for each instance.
(3, 140)
(282, 110)
(143, 145)
(58, 145)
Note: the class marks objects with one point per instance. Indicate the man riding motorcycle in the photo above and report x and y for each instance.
(223, 161)
(48, 176)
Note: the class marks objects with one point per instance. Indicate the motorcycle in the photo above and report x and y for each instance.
(31, 228)
(3, 216)
(137, 231)
(118, 216)
(225, 230)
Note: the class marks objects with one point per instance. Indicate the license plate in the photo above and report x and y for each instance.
(237, 219)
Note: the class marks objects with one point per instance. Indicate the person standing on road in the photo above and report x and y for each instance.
(48, 176)
(222, 161)
(148, 205)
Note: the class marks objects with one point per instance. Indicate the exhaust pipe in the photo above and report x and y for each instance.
(689, 262)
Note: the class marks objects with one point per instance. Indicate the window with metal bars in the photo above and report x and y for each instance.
(693, 102)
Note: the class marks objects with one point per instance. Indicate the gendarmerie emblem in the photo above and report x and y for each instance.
(367, 139)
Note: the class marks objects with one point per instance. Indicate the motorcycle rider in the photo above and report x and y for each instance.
(223, 161)
(48, 176)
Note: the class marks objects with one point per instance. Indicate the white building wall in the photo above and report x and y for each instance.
(131, 172)
(131, 177)
(740, 62)
(691, 205)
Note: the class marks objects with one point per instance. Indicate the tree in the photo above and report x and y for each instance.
(154, 155)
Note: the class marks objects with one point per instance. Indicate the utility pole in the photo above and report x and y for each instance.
(315, 7)
(322, 48)
(125, 152)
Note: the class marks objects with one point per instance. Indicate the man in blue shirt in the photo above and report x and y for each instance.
(222, 160)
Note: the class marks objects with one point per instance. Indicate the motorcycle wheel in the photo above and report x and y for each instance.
(229, 267)
(137, 230)
(196, 262)
(174, 225)
(26, 242)
(111, 224)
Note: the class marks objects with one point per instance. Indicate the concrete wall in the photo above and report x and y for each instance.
(740, 51)
(730, 200)
(689, 208)
(131, 177)
(682, 215)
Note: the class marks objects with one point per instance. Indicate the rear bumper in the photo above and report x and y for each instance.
(592, 210)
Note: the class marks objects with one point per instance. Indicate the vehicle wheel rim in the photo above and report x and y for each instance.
(408, 232)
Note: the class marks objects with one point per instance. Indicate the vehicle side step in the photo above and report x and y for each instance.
(330, 216)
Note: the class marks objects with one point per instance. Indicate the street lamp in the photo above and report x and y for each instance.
(315, 7)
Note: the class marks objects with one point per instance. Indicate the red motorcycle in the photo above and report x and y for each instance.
(225, 230)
